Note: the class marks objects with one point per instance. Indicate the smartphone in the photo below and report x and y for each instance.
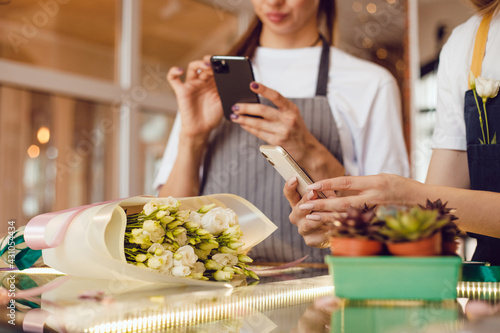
(286, 166)
(233, 76)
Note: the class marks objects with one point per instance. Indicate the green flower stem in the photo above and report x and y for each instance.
(480, 116)
(486, 120)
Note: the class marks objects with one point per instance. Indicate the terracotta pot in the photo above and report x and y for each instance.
(430, 246)
(341, 246)
(449, 248)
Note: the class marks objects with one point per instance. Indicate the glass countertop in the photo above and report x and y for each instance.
(282, 301)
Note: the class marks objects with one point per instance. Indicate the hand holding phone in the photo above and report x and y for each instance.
(286, 166)
(233, 76)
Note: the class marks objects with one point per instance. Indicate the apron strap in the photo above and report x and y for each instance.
(480, 46)
(324, 68)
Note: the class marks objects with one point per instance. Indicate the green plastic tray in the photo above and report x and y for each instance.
(389, 277)
(480, 273)
(383, 319)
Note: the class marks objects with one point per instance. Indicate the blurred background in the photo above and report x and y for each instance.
(85, 109)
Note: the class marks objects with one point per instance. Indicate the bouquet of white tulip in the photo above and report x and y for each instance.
(486, 89)
(162, 240)
(204, 244)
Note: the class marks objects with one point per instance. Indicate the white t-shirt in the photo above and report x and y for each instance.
(364, 99)
(453, 77)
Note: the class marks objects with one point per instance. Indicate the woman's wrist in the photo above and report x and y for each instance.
(412, 192)
(318, 160)
(192, 144)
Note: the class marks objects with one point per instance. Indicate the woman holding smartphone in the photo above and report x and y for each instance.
(341, 115)
(465, 154)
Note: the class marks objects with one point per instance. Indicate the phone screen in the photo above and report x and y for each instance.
(233, 76)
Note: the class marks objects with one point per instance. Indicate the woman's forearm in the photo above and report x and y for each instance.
(477, 211)
(184, 179)
(319, 162)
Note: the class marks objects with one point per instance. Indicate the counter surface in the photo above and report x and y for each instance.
(283, 301)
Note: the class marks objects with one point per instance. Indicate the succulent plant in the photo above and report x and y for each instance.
(357, 223)
(411, 224)
(450, 231)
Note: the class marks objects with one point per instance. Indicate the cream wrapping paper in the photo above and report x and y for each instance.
(93, 245)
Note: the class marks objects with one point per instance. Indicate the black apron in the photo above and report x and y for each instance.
(233, 164)
(483, 159)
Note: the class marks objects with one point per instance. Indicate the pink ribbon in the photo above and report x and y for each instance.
(34, 320)
(34, 236)
(34, 233)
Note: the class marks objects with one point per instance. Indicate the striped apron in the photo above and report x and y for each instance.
(233, 164)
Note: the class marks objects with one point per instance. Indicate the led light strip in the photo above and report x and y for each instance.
(479, 290)
(258, 300)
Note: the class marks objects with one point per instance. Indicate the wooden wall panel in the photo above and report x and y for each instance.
(15, 128)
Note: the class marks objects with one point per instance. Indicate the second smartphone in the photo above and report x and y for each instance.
(233, 75)
(286, 166)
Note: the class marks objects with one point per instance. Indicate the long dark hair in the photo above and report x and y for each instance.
(247, 44)
(486, 6)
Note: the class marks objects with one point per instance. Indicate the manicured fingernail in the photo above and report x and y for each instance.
(207, 64)
(313, 217)
(307, 206)
(292, 181)
(315, 186)
(233, 116)
(235, 108)
(310, 195)
(254, 85)
(180, 69)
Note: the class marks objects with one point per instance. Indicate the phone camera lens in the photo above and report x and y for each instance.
(220, 66)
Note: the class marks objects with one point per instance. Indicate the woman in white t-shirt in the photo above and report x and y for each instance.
(465, 150)
(340, 115)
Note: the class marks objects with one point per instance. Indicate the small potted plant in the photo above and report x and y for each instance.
(413, 231)
(450, 231)
(356, 233)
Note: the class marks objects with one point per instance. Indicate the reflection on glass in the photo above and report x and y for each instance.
(479, 290)
(396, 317)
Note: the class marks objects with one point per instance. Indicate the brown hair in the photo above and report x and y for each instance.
(484, 7)
(247, 43)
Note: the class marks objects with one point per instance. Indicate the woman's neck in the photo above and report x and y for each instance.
(306, 38)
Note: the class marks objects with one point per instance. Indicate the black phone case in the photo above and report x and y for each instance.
(233, 76)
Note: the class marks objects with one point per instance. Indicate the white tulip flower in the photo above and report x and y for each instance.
(487, 88)
(218, 219)
(225, 259)
(188, 256)
(195, 217)
(198, 267)
(155, 262)
(180, 271)
(168, 261)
